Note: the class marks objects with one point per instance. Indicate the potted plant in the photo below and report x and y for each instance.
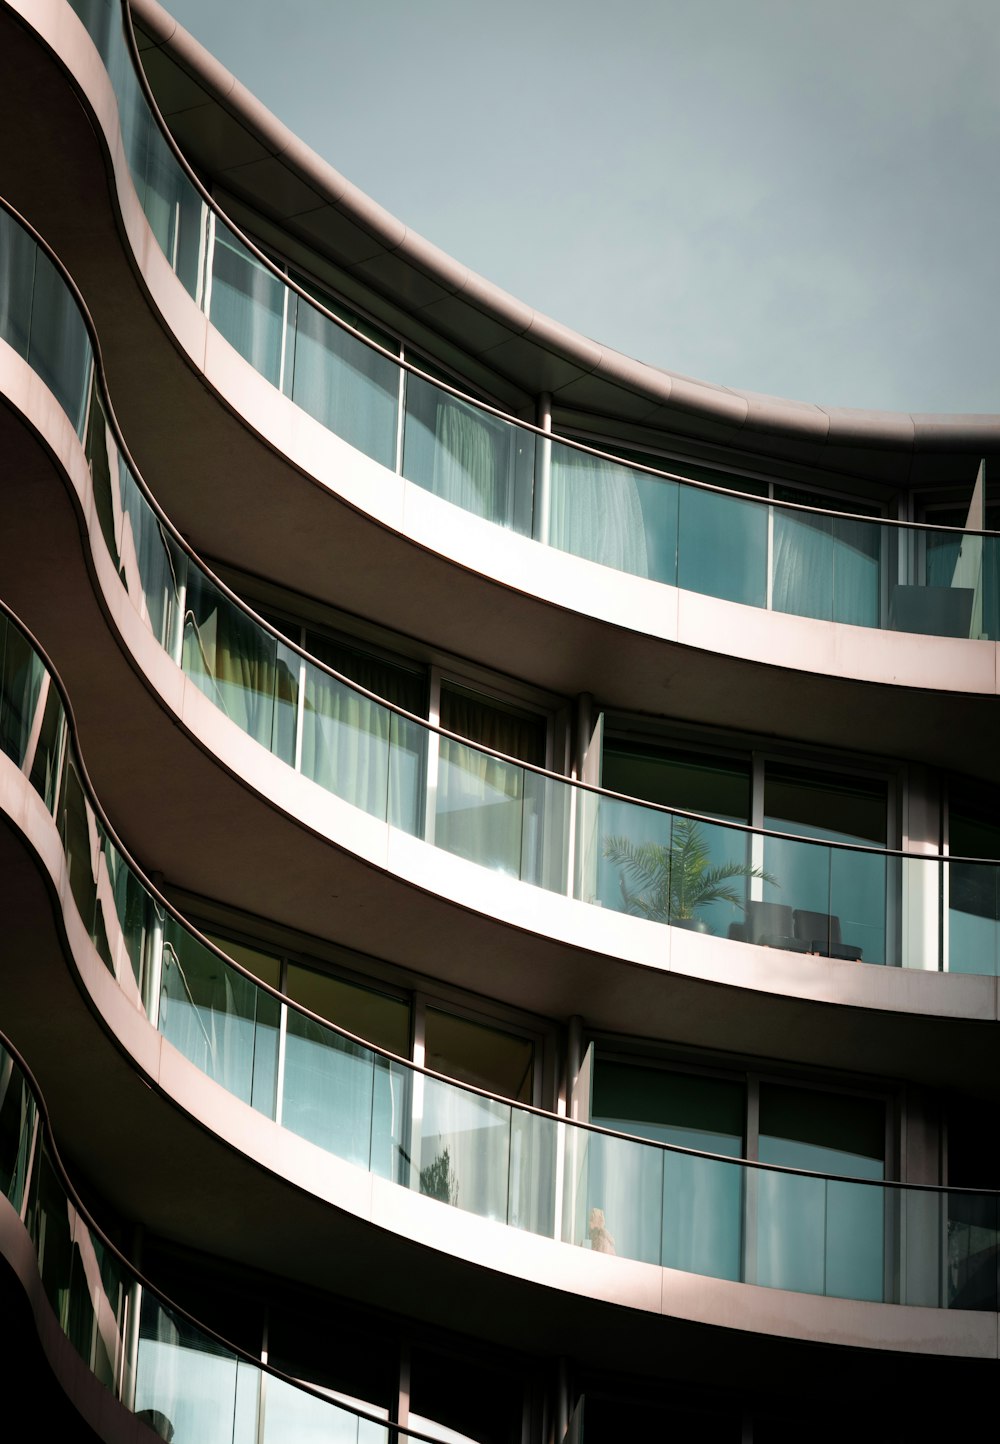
(669, 882)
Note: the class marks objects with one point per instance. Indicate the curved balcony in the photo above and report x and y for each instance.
(562, 1181)
(109, 1336)
(722, 559)
(733, 903)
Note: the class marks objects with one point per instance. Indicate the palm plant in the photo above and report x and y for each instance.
(667, 882)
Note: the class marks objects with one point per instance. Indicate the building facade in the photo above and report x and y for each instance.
(500, 840)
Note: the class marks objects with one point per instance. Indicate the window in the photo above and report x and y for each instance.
(779, 892)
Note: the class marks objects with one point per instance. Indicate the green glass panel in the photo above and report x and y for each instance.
(702, 1198)
(817, 1235)
(218, 1018)
(466, 456)
(247, 304)
(58, 346)
(348, 387)
(464, 1151)
(722, 546)
(18, 253)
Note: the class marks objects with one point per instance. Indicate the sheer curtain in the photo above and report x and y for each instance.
(351, 745)
(469, 466)
(240, 667)
(480, 799)
(826, 567)
(595, 511)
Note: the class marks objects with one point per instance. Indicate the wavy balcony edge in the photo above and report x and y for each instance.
(694, 620)
(537, 806)
(101, 1324)
(417, 1129)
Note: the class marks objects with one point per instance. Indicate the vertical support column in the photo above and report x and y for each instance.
(175, 642)
(133, 1311)
(923, 895)
(152, 972)
(403, 1397)
(922, 1225)
(400, 416)
(574, 1062)
(543, 470)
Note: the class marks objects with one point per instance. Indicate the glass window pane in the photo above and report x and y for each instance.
(379, 1018)
(702, 1198)
(813, 1235)
(476, 1053)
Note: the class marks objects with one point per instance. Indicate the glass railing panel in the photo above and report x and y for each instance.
(175, 211)
(973, 917)
(722, 546)
(408, 742)
(24, 685)
(102, 21)
(49, 1226)
(479, 807)
(81, 848)
(147, 562)
(43, 760)
(824, 901)
(703, 1202)
(348, 387)
(463, 1154)
(17, 280)
(392, 1111)
(827, 567)
(101, 1278)
(247, 304)
(218, 1018)
(291, 1416)
(17, 1128)
(103, 458)
(819, 1235)
(242, 669)
(943, 583)
(345, 742)
(607, 512)
(546, 812)
(613, 1195)
(328, 1094)
(466, 456)
(186, 1384)
(972, 1251)
(123, 910)
(58, 344)
(535, 1145)
(990, 617)
(677, 870)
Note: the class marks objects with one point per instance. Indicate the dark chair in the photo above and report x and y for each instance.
(820, 933)
(769, 924)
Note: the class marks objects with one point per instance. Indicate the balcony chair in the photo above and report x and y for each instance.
(820, 933)
(770, 924)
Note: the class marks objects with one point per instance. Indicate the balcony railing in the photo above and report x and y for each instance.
(572, 1182)
(763, 552)
(179, 1379)
(805, 895)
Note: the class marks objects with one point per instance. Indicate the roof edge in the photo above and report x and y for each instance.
(835, 427)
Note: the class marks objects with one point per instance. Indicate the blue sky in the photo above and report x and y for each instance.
(786, 196)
